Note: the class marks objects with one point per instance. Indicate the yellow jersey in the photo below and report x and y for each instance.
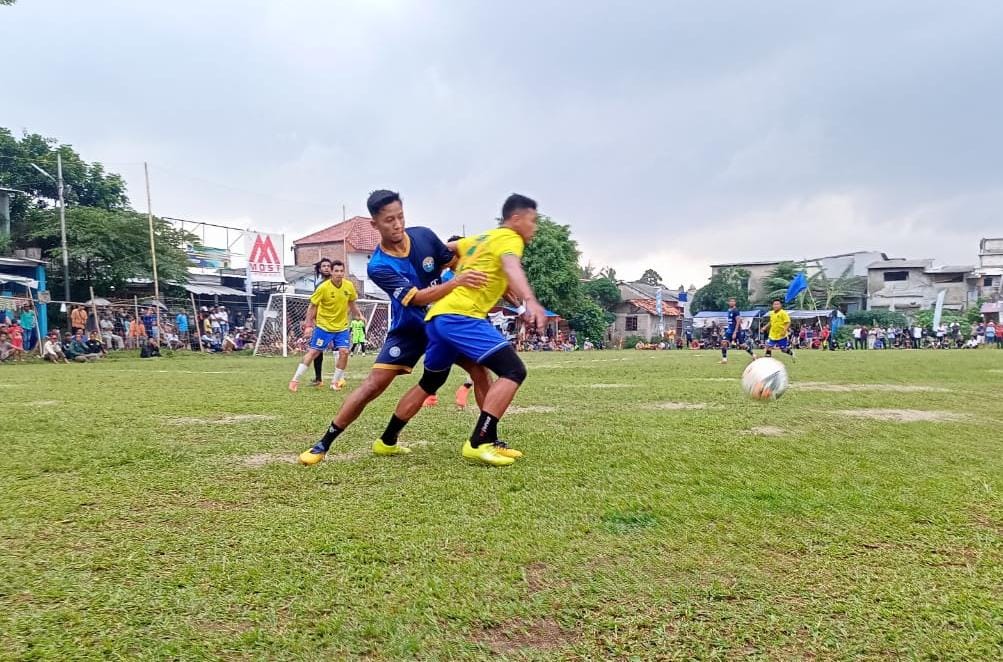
(482, 253)
(332, 304)
(779, 323)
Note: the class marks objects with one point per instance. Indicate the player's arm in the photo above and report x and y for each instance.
(356, 313)
(425, 296)
(738, 327)
(518, 284)
(311, 316)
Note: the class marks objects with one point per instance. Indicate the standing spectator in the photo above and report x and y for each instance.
(872, 337)
(29, 327)
(136, 333)
(980, 333)
(182, 323)
(52, 350)
(249, 322)
(858, 336)
(78, 319)
(942, 336)
(917, 335)
(16, 334)
(823, 337)
(879, 338)
(149, 320)
(890, 336)
(990, 334)
(214, 323)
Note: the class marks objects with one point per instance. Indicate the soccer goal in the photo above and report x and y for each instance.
(281, 331)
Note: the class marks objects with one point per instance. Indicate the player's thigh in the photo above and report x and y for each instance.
(441, 351)
(402, 350)
(320, 339)
(342, 340)
(473, 338)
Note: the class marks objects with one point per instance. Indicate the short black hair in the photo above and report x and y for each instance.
(516, 202)
(778, 301)
(455, 237)
(380, 199)
(337, 263)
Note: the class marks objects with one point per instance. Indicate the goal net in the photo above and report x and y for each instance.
(281, 332)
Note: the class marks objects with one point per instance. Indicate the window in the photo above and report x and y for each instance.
(630, 323)
(987, 281)
(891, 276)
(949, 278)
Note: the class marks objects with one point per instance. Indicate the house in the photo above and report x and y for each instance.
(352, 241)
(912, 285)
(987, 279)
(833, 266)
(638, 316)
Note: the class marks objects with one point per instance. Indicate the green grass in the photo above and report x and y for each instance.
(628, 530)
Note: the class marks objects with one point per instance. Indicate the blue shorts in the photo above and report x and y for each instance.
(739, 339)
(779, 344)
(402, 349)
(321, 339)
(451, 336)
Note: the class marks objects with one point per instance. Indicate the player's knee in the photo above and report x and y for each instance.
(432, 381)
(507, 365)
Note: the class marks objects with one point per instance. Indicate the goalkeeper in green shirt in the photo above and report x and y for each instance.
(358, 328)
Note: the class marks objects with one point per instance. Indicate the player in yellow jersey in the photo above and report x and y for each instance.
(457, 327)
(779, 324)
(327, 318)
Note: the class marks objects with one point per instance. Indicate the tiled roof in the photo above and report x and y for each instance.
(648, 305)
(357, 231)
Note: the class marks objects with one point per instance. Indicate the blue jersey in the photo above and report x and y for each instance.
(401, 276)
(733, 315)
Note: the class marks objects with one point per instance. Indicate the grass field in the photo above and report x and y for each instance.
(150, 510)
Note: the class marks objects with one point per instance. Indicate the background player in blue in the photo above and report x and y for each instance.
(734, 334)
(406, 266)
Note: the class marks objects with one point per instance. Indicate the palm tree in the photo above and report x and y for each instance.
(779, 279)
(831, 290)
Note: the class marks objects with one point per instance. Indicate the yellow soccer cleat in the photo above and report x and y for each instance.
(313, 456)
(338, 385)
(504, 449)
(379, 448)
(486, 453)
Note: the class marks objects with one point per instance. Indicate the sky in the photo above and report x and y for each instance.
(667, 134)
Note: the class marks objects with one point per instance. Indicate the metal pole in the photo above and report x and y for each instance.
(198, 325)
(62, 227)
(153, 247)
(285, 331)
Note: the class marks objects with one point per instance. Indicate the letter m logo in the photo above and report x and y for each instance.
(263, 251)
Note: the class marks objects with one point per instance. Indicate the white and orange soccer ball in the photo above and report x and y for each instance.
(765, 379)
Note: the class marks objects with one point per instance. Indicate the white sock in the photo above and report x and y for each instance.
(300, 369)
(338, 374)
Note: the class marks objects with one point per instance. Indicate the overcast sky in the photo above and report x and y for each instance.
(667, 134)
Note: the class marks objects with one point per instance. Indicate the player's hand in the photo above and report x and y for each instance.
(537, 315)
(472, 278)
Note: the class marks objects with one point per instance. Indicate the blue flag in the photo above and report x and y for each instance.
(797, 286)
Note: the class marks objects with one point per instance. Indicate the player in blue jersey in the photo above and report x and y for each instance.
(407, 266)
(734, 334)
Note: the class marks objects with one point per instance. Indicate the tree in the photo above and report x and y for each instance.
(603, 291)
(7, 2)
(109, 246)
(871, 318)
(551, 264)
(651, 277)
(830, 291)
(587, 272)
(608, 272)
(727, 283)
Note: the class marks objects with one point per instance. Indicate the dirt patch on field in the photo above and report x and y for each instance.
(850, 388)
(904, 415)
(531, 409)
(228, 419)
(542, 634)
(767, 431)
(263, 459)
(677, 406)
(536, 576)
(41, 403)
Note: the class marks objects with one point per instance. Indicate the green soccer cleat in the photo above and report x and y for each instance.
(487, 454)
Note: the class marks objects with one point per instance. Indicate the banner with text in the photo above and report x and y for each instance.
(264, 256)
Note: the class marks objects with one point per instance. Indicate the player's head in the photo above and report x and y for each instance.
(777, 304)
(337, 271)
(455, 237)
(732, 302)
(387, 211)
(322, 267)
(519, 214)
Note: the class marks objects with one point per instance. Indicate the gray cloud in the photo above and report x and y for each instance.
(667, 134)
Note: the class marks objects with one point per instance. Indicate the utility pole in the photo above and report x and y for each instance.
(153, 247)
(62, 223)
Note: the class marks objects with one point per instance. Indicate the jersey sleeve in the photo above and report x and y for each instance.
(438, 249)
(315, 298)
(353, 294)
(508, 243)
(393, 283)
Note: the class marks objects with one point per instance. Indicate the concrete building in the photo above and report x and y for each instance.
(352, 241)
(834, 266)
(636, 314)
(987, 279)
(908, 286)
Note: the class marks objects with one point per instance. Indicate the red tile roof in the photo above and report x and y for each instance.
(357, 231)
(648, 306)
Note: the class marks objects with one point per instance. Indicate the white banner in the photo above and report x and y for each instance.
(938, 310)
(264, 256)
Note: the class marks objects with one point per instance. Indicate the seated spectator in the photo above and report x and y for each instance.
(52, 350)
(111, 339)
(68, 349)
(78, 346)
(7, 350)
(150, 349)
(95, 347)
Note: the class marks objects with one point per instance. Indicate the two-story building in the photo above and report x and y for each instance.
(352, 241)
(912, 285)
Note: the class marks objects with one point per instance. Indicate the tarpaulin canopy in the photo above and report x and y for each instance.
(20, 280)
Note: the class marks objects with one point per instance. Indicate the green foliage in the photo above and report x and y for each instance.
(107, 247)
(723, 285)
(603, 291)
(551, 264)
(590, 321)
(651, 277)
(7, 2)
(608, 272)
(871, 318)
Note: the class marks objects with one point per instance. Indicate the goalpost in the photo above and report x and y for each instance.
(281, 331)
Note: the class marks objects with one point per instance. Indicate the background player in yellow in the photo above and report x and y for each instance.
(779, 324)
(327, 320)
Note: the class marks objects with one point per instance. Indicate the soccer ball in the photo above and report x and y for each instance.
(765, 379)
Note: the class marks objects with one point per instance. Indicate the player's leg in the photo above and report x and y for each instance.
(477, 379)
(511, 372)
(318, 370)
(342, 341)
(304, 364)
(724, 351)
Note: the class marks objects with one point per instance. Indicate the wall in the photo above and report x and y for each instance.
(918, 292)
